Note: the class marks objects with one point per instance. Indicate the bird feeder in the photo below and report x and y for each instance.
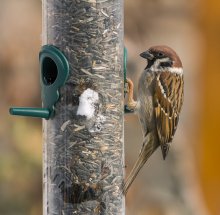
(82, 82)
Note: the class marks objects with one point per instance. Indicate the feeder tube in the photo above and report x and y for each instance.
(83, 142)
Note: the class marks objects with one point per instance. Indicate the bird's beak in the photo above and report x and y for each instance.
(147, 55)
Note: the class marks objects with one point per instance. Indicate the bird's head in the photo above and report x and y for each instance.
(162, 58)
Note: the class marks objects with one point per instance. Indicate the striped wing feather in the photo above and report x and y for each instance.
(168, 99)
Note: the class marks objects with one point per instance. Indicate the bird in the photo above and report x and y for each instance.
(159, 103)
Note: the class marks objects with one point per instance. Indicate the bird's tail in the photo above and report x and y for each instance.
(149, 146)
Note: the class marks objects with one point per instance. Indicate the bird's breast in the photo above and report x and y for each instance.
(145, 100)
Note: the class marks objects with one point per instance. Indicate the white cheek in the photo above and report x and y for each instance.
(157, 63)
(156, 67)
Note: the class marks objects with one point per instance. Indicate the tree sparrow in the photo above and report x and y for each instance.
(160, 98)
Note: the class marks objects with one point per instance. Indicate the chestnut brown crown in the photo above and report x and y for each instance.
(165, 54)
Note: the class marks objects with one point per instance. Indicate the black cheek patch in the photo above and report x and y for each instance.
(166, 64)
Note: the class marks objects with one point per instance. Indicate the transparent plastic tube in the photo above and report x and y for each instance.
(83, 143)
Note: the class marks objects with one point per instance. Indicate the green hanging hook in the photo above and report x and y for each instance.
(31, 112)
(125, 70)
(54, 71)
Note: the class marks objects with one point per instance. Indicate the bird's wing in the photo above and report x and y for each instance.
(168, 99)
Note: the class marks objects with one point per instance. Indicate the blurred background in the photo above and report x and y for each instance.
(189, 181)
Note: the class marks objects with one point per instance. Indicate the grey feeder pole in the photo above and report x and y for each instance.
(82, 85)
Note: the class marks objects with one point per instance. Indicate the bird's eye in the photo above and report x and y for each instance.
(160, 54)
